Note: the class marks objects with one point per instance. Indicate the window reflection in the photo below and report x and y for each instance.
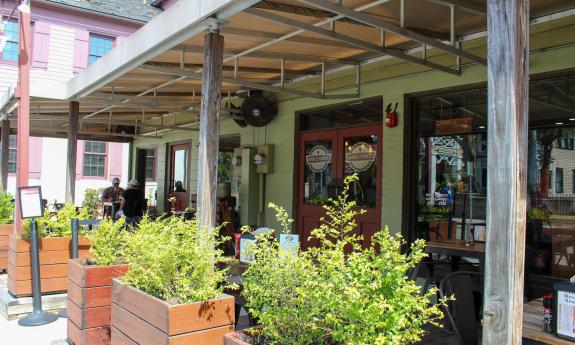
(451, 176)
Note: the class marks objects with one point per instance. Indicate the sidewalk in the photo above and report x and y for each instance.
(13, 334)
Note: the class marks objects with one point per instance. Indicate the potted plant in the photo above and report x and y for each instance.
(90, 284)
(6, 226)
(172, 291)
(55, 250)
(338, 292)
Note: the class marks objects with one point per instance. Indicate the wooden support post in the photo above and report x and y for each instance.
(5, 152)
(210, 129)
(23, 95)
(508, 89)
(73, 122)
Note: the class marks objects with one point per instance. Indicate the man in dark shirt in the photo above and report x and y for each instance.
(114, 192)
(132, 201)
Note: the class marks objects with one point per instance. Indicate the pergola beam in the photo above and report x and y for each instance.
(131, 105)
(351, 40)
(244, 83)
(134, 123)
(271, 35)
(230, 53)
(182, 21)
(463, 5)
(378, 23)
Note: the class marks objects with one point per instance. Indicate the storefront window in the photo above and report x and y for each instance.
(451, 175)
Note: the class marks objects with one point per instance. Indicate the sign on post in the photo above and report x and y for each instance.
(30, 202)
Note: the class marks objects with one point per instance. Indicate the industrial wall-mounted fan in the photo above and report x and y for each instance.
(258, 111)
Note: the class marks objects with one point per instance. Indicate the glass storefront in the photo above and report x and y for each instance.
(451, 175)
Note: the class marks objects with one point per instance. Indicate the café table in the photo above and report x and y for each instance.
(533, 325)
(457, 249)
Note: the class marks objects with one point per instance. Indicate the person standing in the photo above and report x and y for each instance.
(132, 203)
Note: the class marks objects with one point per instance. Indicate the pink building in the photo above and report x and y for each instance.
(68, 35)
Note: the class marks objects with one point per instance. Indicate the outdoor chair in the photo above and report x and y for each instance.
(465, 320)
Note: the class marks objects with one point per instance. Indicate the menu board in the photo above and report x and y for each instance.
(566, 314)
(31, 202)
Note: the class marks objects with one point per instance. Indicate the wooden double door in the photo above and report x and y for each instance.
(325, 159)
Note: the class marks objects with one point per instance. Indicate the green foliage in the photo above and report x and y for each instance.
(92, 201)
(107, 241)
(57, 224)
(539, 213)
(282, 218)
(225, 166)
(174, 260)
(339, 293)
(6, 208)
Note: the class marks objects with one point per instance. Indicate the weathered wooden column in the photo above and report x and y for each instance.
(210, 129)
(508, 89)
(23, 95)
(4, 153)
(73, 120)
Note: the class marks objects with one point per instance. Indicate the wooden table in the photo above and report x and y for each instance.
(533, 325)
(457, 249)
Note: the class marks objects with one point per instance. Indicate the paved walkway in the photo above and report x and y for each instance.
(13, 334)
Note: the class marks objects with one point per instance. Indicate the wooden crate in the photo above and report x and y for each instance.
(89, 300)
(54, 254)
(5, 231)
(139, 318)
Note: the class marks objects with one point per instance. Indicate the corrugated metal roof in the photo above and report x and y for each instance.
(140, 10)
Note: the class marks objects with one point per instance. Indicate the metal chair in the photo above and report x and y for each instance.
(464, 319)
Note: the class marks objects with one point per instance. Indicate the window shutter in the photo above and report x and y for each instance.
(41, 46)
(115, 160)
(35, 158)
(81, 49)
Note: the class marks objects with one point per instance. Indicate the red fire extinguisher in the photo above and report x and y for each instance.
(391, 116)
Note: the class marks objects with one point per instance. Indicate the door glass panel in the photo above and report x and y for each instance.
(360, 157)
(317, 171)
(181, 167)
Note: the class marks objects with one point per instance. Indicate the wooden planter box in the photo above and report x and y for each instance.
(238, 338)
(139, 318)
(89, 301)
(54, 255)
(5, 231)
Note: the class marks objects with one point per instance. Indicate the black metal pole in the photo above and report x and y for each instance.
(38, 317)
(75, 238)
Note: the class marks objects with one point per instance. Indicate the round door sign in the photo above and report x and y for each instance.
(318, 158)
(360, 156)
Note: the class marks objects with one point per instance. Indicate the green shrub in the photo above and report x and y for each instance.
(539, 213)
(339, 292)
(6, 208)
(93, 201)
(173, 260)
(107, 241)
(57, 224)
